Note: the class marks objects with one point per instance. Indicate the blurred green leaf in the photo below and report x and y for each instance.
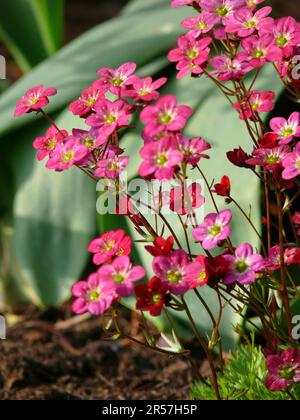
(31, 29)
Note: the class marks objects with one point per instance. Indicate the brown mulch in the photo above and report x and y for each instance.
(39, 361)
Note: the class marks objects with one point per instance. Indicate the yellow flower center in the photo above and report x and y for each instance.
(67, 157)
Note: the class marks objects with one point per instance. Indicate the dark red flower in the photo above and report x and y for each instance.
(151, 296)
(216, 268)
(162, 247)
(269, 141)
(238, 157)
(224, 187)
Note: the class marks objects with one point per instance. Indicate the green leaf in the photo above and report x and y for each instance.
(31, 29)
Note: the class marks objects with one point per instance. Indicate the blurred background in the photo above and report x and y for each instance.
(47, 219)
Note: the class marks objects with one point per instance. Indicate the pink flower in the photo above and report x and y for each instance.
(108, 246)
(94, 296)
(110, 116)
(287, 130)
(244, 22)
(47, 143)
(252, 4)
(116, 80)
(192, 149)
(201, 24)
(256, 102)
(291, 257)
(160, 159)
(296, 221)
(230, 68)
(259, 50)
(291, 164)
(176, 271)
(269, 158)
(222, 9)
(85, 104)
(244, 265)
(111, 166)
(286, 33)
(122, 275)
(214, 229)
(191, 55)
(66, 155)
(91, 139)
(146, 90)
(284, 370)
(165, 115)
(34, 99)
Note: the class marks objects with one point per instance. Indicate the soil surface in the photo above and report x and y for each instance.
(47, 358)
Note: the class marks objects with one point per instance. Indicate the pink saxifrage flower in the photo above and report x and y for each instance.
(94, 295)
(256, 102)
(91, 139)
(179, 3)
(111, 166)
(244, 22)
(201, 24)
(259, 50)
(122, 274)
(165, 115)
(116, 80)
(214, 229)
(146, 89)
(67, 154)
(177, 272)
(47, 143)
(230, 68)
(110, 116)
(269, 158)
(34, 99)
(291, 164)
(160, 159)
(288, 129)
(192, 149)
(109, 245)
(85, 104)
(284, 370)
(244, 265)
(191, 55)
(222, 9)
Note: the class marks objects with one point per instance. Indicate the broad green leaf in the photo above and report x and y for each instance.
(144, 39)
(31, 29)
(142, 6)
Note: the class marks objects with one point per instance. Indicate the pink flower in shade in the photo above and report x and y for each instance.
(47, 143)
(257, 102)
(291, 257)
(85, 104)
(287, 130)
(111, 166)
(191, 55)
(244, 22)
(286, 34)
(284, 370)
(176, 271)
(222, 9)
(184, 200)
(116, 80)
(296, 221)
(244, 265)
(108, 246)
(179, 3)
(230, 68)
(94, 296)
(259, 50)
(110, 116)
(291, 164)
(91, 139)
(122, 274)
(67, 154)
(192, 149)
(34, 99)
(146, 90)
(160, 159)
(269, 158)
(214, 230)
(200, 25)
(165, 115)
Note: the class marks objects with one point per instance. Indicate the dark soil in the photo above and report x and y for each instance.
(45, 358)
